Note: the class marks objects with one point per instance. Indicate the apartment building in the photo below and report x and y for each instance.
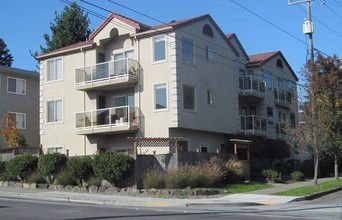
(19, 96)
(182, 79)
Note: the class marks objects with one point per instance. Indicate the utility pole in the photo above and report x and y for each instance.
(308, 28)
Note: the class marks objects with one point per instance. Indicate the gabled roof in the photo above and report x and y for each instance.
(6, 69)
(175, 23)
(262, 58)
(233, 36)
(137, 25)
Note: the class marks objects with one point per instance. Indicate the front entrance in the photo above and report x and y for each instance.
(242, 154)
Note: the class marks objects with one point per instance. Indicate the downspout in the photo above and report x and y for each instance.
(139, 87)
(84, 108)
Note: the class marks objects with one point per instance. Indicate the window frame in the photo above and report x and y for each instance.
(269, 81)
(272, 121)
(191, 53)
(19, 113)
(16, 79)
(209, 53)
(155, 96)
(154, 51)
(194, 98)
(54, 64)
(210, 97)
(54, 111)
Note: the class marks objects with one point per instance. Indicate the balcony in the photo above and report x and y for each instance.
(110, 75)
(282, 97)
(252, 86)
(124, 119)
(254, 125)
(281, 131)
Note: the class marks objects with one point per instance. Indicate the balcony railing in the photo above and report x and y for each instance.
(108, 120)
(251, 85)
(253, 124)
(282, 97)
(117, 72)
(281, 130)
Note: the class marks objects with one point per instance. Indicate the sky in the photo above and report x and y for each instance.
(23, 23)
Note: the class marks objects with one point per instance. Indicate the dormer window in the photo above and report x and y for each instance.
(207, 30)
(279, 64)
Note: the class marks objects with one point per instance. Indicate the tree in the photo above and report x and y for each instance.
(330, 89)
(316, 117)
(6, 57)
(11, 133)
(70, 27)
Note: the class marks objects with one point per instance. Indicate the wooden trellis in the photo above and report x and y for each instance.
(153, 142)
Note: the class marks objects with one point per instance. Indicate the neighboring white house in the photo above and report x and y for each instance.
(19, 96)
(183, 79)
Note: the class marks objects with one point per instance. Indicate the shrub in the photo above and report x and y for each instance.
(21, 166)
(272, 175)
(5, 176)
(297, 176)
(80, 168)
(51, 164)
(65, 178)
(153, 178)
(307, 167)
(35, 178)
(93, 181)
(2, 166)
(232, 172)
(176, 179)
(112, 166)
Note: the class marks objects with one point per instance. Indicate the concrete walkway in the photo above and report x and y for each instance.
(260, 197)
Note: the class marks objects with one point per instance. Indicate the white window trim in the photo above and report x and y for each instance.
(213, 97)
(46, 116)
(54, 148)
(16, 81)
(46, 71)
(195, 107)
(166, 51)
(154, 97)
(19, 113)
(208, 52)
(193, 49)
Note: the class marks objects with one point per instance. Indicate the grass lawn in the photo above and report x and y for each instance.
(309, 190)
(245, 187)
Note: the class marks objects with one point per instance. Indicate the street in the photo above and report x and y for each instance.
(327, 207)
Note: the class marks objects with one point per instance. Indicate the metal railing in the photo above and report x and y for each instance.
(107, 117)
(252, 85)
(282, 96)
(254, 124)
(116, 69)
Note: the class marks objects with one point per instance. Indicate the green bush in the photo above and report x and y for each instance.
(21, 166)
(153, 178)
(65, 178)
(176, 179)
(36, 178)
(232, 172)
(112, 166)
(80, 168)
(93, 181)
(5, 176)
(2, 166)
(51, 164)
(272, 175)
(297, 176)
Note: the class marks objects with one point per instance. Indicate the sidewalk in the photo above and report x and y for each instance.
(259, 197)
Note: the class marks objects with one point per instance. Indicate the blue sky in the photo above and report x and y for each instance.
(23, 23)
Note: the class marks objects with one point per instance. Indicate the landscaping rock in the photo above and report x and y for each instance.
(33, 185)
(12, 184)
(152, 191)
(52, 187)
(26, 185)
(123, 190)
(18, 185)
(76, 189)
(112, 190)
(1, 182)
(67, 188)
(5, 183)
(60, 187)
(162, 192)
(176, 192)
(42, 186)
(188, 193)
(135, 191)
(199, 192)
(106, 184)
(93, 189)
(84, 189)
(101, 189)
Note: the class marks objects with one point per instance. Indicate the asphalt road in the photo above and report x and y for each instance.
(328, 207)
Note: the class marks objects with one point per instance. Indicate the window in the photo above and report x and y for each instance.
(268, 80)
(279, 64)
(15, 85)
(204, 147)
(270, 118)
(282, 117)
(209, 53)
(207, 30)
(55, 111)
(189, 98)
(188, 50)
(20, 119)
(160, 96)
(280, 83)
(293, 119)
(119, 101)
(210, 97)
(51, 150)
(159, 48)
(54, 69)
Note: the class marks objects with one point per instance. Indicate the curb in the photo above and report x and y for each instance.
(238, 204)
(316, 195)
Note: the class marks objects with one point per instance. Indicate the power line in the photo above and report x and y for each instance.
(338, 3)
(333, 11)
